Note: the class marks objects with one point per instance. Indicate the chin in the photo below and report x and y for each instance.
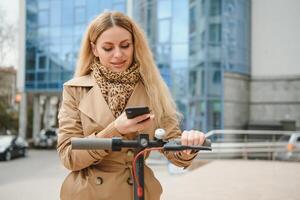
(119, 69)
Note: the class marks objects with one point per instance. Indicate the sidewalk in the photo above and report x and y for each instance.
(40, 175)
(233, 180)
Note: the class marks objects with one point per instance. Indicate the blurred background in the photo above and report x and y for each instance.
(232, 66)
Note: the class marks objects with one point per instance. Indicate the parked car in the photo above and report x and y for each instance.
(291, 152)
(12, 146)
(47, 138)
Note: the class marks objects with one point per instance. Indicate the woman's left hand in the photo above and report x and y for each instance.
(192, 138)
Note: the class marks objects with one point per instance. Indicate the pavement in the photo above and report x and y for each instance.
(39, 177)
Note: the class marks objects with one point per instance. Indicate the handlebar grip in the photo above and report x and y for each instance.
(91, 143)
(206, 143)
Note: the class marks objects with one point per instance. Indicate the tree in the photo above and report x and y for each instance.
(7, 36)
(8, 117)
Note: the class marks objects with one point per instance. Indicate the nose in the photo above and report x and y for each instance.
(118, 53)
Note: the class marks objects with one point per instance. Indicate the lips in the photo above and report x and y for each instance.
(117, 64)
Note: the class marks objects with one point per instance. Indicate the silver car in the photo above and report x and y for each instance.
(292, 150)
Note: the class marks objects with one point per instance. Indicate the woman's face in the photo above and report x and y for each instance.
(114, 47)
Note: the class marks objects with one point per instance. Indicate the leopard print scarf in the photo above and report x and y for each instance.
(116, 87)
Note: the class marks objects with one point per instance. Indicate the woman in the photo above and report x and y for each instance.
(115, 70)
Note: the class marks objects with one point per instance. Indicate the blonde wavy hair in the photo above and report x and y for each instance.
(161, 100)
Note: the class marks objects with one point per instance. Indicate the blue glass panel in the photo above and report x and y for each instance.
(164, 31)
(29, 85)
(55, 13)
(92, 9)
(41, 76)
(192, 19)
(43, 4)
(164, 9)
(54, 35)
(215, 7)
(67, 12)
(79, 15)
(30, 76)
(43, 17)
(180, 21)
(119, 7)
(180, 51)
(104, 4)
(80, 2)
(54, 76)
(41, 85)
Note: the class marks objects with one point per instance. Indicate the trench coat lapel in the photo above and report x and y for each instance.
(138, 96)
(95, 107)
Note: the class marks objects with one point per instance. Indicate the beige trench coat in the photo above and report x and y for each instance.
(101, 174)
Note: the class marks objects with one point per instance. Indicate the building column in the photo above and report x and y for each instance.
(36, 116)
(50, 112)
(23, 115)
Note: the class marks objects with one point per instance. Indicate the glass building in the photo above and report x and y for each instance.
(54, 29)
(195, 42)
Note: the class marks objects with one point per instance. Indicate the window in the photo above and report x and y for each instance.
(215, 7)
(164, 31)
(42, 62)
(214, 34)
(164, 9)
(43, 4)
(119, 7)
(79, 15)
(67, 12)
(192, 20)
(43, 18)
(79, 2)
(55, 13)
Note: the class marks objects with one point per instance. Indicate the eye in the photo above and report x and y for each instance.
(125, 46)
(107, 48)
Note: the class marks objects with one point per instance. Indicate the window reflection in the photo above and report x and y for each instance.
(79, 15)
(164, 31)
(164, 9)
(43, 17)
(55, 13)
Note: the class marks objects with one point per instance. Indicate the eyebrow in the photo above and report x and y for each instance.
(129, 40)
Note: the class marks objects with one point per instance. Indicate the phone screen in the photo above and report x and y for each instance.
(132, 112)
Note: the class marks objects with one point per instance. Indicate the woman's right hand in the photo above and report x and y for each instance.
(125, 125)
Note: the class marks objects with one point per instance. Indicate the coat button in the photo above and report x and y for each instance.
(130, 153)
(129, 181)
(99, 181)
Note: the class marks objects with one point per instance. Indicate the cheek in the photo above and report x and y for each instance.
(104, 56)
(129, 53)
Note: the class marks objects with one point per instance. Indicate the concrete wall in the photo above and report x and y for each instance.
(275, 37)
(236, 101)
(275, 75)
(274, 100)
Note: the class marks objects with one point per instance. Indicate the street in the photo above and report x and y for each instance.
(40, 175)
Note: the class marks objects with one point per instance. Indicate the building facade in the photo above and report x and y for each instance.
(220, 58)
(53, 30)
(197, 45)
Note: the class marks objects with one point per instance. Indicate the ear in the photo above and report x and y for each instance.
(94, 49)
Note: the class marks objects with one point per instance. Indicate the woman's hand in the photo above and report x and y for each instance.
(137, 124)
(192, 138)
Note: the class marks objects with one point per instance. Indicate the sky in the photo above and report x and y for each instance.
(11, 8)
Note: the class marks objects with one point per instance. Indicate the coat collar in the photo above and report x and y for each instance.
(94, 105)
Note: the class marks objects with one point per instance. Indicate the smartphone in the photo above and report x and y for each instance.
(132, 112)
